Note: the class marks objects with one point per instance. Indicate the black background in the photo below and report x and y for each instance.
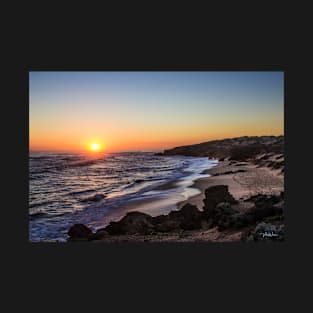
(155, 277)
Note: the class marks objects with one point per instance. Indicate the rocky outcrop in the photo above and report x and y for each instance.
(79, 232)
(188, 217)
(215, 195)
(99, 234)
(220, 210)
(265, 205)
(132, 223)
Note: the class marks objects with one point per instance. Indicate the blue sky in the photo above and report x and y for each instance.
(194, 105)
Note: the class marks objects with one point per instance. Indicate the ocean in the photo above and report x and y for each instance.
(65, 188)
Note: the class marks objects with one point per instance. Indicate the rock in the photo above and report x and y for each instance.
(224, 208)
(266, 208)
(132, 223)
(225, 216)
(99, 234)
(215, 195)
(275, 198)
(257, 198)
(242, 220)
(167, 226)
(189, 217)
(79, 231)
(115, 228)
(192, 217)
(159, 219)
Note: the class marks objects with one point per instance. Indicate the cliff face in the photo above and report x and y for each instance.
(240, 148)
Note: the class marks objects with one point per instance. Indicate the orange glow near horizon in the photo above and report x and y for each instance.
(78, 138)
(95, 112)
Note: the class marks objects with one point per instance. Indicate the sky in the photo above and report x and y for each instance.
(151, 111)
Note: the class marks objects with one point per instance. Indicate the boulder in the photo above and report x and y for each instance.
(225, 216)
(189, 217)
(156, 220)
(132, 223)
(192, 217)
(115, 228)
(222, 215)
(99, 234)
(241, 220)
(168, 226)
(215, 195)
(265, 208)
(224, 208)
(79, 231)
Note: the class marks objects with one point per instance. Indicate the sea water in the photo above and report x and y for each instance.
(62, 187)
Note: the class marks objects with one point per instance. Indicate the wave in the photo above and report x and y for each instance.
(74, 193)
(37, 215)
(41, 214)
(34, 205)
(122, 179)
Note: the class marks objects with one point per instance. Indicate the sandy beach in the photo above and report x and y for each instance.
(240, 200)
(246, 180)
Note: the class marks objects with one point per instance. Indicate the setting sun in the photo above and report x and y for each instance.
(94, 146)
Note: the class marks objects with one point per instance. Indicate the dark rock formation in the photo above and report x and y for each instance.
(219, 210)
(215, 195)
(99, 234)
(222, 215)
(79, 231)
(167, 226)
(189, 217)
(225, 216)
(132, 223)
(267, 206)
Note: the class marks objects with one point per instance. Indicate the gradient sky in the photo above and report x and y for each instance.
(127, 111)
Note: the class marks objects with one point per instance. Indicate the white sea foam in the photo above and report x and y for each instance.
(59, 183)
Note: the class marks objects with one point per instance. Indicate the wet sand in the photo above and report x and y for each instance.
(243, 181)
(241, 185)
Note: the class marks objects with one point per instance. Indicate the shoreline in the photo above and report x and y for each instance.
(237, 202)
(243, 181)
(160, 204)
(219, 175)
